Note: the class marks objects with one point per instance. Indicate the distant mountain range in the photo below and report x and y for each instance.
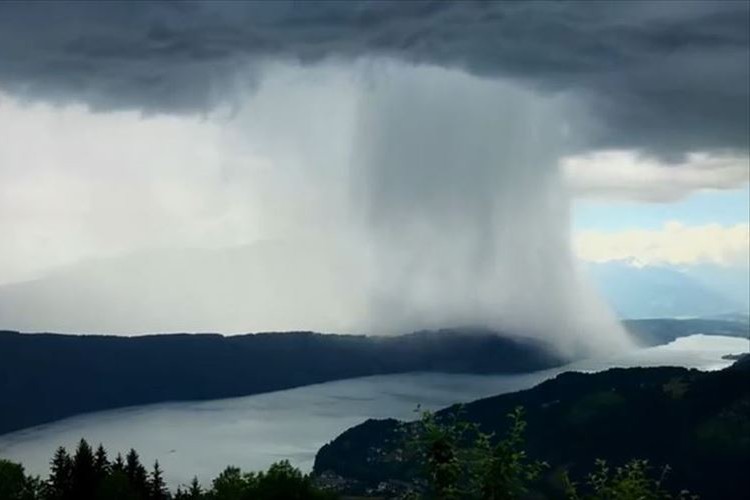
(636, 291)
(652, 332)
(696, 422)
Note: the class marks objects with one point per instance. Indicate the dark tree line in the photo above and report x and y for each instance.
(456, 461)
(45, 377)
(91, 475)
(460, 462)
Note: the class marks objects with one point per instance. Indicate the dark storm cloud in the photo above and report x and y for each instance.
(665, 76)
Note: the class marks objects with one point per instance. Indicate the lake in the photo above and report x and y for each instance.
(201, 438)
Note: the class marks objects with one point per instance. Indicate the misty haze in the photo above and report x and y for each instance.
(373, 249)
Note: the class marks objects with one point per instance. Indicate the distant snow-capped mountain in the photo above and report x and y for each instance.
(635, 290)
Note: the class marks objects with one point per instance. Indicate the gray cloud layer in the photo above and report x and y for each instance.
(668, 77)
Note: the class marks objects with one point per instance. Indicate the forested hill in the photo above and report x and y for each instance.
(651, 332)
(44, 377)
(696, 422)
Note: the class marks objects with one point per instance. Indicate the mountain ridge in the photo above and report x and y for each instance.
(696, 422)
(45, 377)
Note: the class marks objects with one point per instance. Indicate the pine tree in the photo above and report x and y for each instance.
(157, 488)
(195, 492)
(230, 484)
(135, 472)
(118, 465)
(84, 474)
(60, 482)
(101, 462)
(117, 486)
(14, 485)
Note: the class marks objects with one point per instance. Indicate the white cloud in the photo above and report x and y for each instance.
(625, 175)
(673, 244)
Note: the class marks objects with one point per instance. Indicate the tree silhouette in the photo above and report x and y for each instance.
(14, 485)
(157, 488)
(136, 473)
(229, 485)
(84, 477)
(118, 465)
(117, 486)
(60, 483)
(195, 491)
(101, 463)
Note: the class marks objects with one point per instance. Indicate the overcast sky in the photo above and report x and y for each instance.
(133, 128)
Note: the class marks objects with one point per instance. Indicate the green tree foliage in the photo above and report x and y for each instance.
(504, 469)
(230, 485)
(632, 481)
(60, 482)
(458, 460)
(438, 448)
(281, 481)
(117, 486)
(89, 475)
(462, 462)
(15, 485)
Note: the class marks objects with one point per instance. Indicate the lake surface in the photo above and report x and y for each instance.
(201, 438)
